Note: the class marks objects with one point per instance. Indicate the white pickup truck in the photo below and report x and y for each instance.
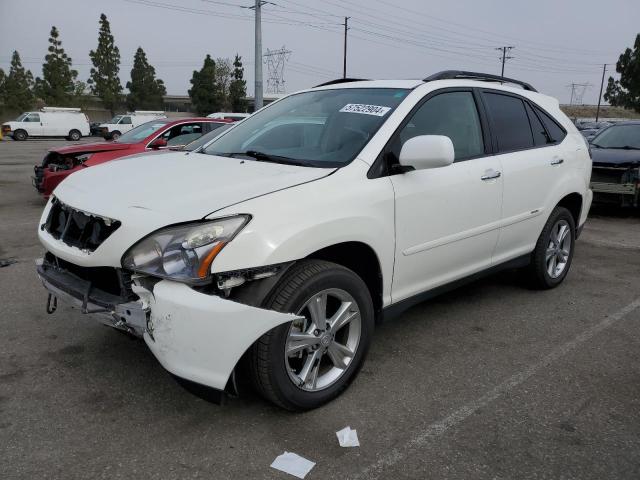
(123, 123)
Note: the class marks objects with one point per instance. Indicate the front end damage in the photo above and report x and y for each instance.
(198, 334)
(54, 168)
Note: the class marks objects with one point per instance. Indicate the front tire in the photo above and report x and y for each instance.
(74, 135)
(115, 135)
(303, 364)
(551, 259)
(20, 135)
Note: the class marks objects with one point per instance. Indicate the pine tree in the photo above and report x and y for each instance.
(58, 83)
(238, 87)
(204, 93)
(224, 75)
(145, 91)
(17, 94)
(626, 91)
(104, 81)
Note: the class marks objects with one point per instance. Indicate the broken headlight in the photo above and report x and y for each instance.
(183, 252)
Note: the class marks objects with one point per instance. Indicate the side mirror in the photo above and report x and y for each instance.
(427, 151)
(158, 143)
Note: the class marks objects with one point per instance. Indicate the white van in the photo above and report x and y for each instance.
(70, 123)
(236, 117)
(123, 123)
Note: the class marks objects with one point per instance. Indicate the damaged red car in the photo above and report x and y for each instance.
(159, 134)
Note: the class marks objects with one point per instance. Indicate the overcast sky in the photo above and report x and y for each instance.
(556, 42)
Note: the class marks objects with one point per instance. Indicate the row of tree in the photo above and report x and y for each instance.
(218, 86)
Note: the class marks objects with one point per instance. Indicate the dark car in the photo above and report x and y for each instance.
(589, 133)
(94, 129)
(616, 164)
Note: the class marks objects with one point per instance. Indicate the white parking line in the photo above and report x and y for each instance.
(441, 426)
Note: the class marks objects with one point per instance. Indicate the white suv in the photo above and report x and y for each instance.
(273, 251)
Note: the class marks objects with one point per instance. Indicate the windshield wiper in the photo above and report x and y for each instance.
(265, 157)
(625, 147)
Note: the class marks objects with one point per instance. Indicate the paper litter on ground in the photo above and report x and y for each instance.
(348, 437)
(293, 464)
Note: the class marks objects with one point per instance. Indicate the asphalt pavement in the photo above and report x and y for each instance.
(492, 380)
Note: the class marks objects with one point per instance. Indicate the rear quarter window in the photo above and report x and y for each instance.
(555, 131)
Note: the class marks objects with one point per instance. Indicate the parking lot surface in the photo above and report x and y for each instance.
(492, 380)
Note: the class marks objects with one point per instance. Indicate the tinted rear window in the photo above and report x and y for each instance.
(556, 132)
(539, 133)
(510, 122)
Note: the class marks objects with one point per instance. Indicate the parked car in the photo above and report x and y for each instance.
(229, 116)
(94, 129)
(69, 123)
(589, 133)
(592, 125)
(123, 123)
(274, 253)
(616, 164)
(60, 162)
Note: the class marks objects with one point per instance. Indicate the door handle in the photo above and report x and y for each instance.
(557, 161)
(490, 174)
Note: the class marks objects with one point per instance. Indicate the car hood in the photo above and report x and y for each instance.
(91, 148)
(176, 186)
(612, 157)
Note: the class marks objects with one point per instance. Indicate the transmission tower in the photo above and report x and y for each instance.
(577, 92)
(275, 60)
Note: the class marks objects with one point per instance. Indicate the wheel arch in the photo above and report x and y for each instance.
(573, 203)
(361, 259)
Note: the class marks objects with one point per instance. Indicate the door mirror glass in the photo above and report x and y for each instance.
(158, 143)
(427, 151)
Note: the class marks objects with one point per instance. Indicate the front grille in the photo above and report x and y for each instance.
(76, 228)
(114, 281)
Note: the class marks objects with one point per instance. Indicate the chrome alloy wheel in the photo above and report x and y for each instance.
(558, 249)
(320, 347)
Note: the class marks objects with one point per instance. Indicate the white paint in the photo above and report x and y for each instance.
(436, 429)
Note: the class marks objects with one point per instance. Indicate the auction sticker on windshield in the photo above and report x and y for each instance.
(376, 110)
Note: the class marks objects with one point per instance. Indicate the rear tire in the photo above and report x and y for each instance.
(551, 259)
(20, 135)
(330, 344)
(74, 135)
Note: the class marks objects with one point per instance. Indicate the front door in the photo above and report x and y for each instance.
(447, 219)
(33, 125)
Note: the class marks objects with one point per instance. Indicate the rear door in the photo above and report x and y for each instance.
(532, 165)
(447, 218)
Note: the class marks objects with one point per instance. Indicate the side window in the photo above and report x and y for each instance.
(33, 117)
(556, 132)
(452, 114)
(540, 137)
(125, 121)
(510, 122)
(183, 134)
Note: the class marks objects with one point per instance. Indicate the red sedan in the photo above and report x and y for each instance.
(155, 135)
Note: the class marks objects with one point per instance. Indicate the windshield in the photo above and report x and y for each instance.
(619, 136)
(115, 119)
(21, 117)
(322, 128)
(141, 132)
(204, 139)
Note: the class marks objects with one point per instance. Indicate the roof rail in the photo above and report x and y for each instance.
(340, 80)
(485, 77)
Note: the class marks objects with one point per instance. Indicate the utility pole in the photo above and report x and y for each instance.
(504, 56)
(344, 58)
(257, 96)
(604, 69)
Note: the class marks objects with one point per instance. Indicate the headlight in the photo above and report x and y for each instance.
(183, 252)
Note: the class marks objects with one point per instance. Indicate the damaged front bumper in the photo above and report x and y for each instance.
(195, 336)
